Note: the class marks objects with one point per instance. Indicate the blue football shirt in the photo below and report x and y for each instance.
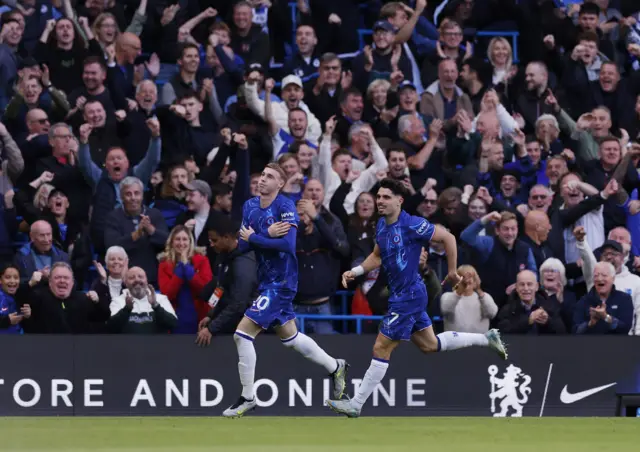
(400, 246)
(277, 270)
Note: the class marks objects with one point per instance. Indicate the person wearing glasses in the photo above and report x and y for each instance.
(62, 163)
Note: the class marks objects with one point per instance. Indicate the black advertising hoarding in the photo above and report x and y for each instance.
(169, 375)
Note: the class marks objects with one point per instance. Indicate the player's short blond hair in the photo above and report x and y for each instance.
(278, 169)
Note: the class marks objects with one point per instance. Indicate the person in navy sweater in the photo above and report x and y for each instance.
(501, 257)
(603, 310)
(10, 318)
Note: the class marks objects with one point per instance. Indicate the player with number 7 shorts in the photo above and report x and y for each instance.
(400, 238)
(269, 227)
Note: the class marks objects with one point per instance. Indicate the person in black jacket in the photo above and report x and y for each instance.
(57, 308)
(321, 246)
(323, 93)
(304, 62)
(382, 60)
(234, 286)
(194, 131)
(141, 231)
(105, 183)
(66, 173)
(528, 311)
(247, 40)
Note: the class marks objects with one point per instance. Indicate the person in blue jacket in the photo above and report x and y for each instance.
(500, 258)
(40, 253)
(10, 318)
(603, 310)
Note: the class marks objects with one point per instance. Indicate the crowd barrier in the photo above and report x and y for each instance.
(170, 375)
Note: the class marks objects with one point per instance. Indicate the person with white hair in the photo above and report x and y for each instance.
(553, 283)
(140, 230)
(614, 253)
(604, 310)
(109, 283)
(528, 311)
(547, 133)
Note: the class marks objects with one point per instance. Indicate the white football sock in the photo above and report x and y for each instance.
(451, 340)
(375, 374)
(246, 363)
(308, 348)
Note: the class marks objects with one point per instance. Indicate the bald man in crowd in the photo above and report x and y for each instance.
(120, 65)
(40, 253)
(528, 311)
(536, 232)
(139, 309)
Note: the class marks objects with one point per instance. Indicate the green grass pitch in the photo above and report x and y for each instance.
(309, 434)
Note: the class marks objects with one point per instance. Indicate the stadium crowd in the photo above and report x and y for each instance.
(133, 132)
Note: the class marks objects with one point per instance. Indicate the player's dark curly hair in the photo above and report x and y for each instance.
(396, 187)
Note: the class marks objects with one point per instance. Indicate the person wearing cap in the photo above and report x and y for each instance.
(254, 74)
(40, 253)
(412, 26)
(408, 100)
(292, 95)
(613, 252)
(297, 123)
(247, 39)
(381, 60)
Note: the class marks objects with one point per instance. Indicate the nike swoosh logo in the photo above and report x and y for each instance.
(567, 397)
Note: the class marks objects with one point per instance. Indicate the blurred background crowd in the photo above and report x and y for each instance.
(133, 131)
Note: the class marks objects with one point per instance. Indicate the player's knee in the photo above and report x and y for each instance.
(428, 347)
(290, 341)
(380, 351)
(240, 336)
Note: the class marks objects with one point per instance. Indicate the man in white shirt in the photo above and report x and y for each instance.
(612, 252)
(292, 95)
(333, 170)
(140, 310)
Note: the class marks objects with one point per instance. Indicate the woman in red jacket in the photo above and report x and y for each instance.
(182, 274)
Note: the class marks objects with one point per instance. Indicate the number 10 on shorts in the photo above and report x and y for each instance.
(261, 303)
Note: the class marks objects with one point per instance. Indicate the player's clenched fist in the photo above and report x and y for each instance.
(85, 131)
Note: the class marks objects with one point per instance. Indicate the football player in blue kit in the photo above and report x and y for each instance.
(400, 238)
(269, 226)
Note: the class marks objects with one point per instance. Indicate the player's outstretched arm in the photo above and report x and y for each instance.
(451, 249)
(372, 262)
